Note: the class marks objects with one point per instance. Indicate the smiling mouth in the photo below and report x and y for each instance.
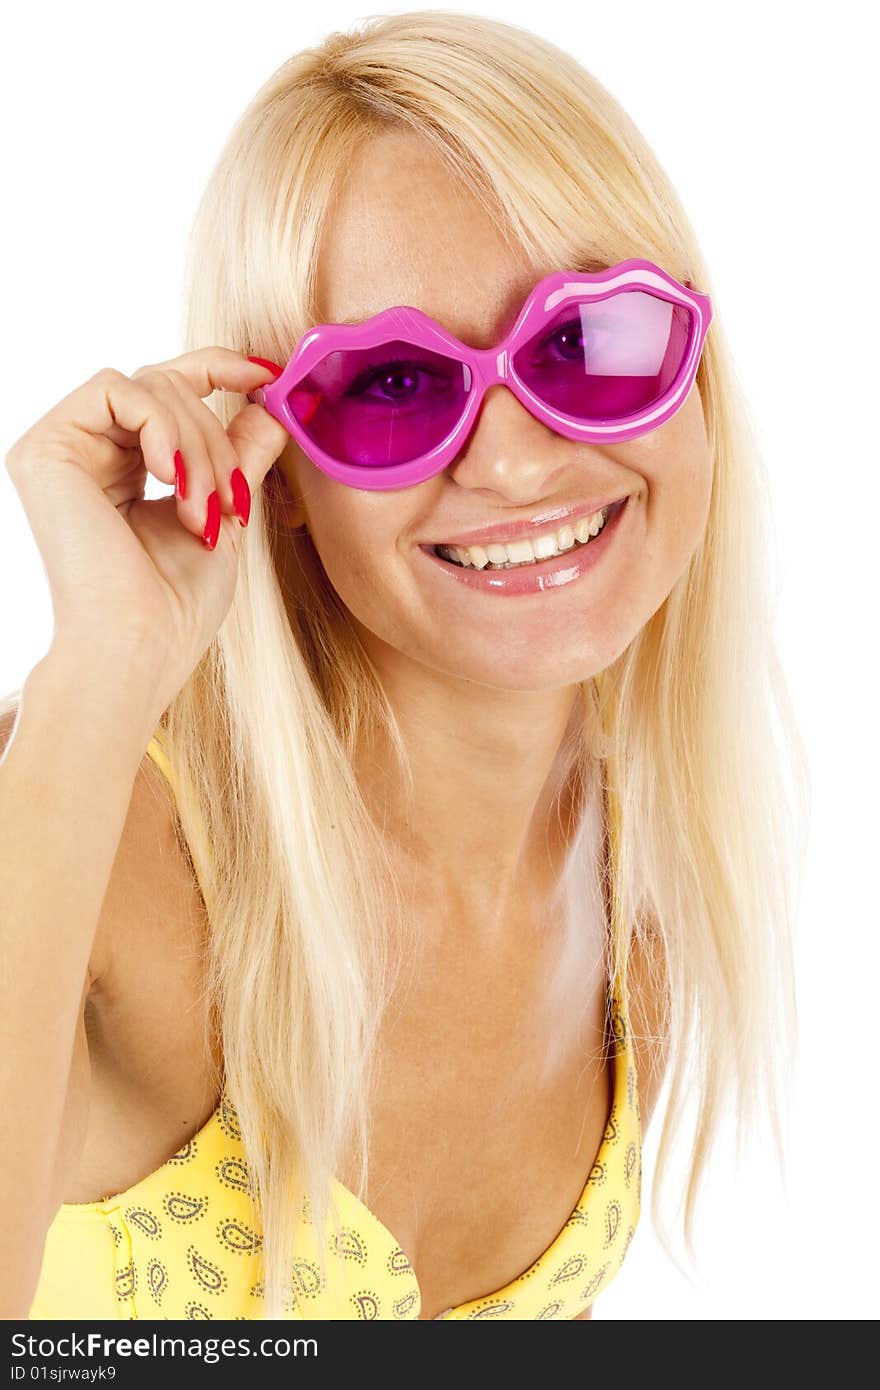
(522, 553)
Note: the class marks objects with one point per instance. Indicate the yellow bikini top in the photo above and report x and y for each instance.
(180, 1244)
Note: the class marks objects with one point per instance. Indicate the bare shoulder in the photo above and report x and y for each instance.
(142, 1045)
(151, 879)
(647, 982)
(151, 887)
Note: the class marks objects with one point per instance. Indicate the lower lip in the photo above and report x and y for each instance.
(554, 573)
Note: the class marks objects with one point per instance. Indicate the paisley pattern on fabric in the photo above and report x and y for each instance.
(181, 1243)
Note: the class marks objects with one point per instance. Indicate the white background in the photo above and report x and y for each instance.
(765, 117)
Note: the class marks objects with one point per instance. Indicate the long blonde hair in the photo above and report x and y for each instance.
(691, 726)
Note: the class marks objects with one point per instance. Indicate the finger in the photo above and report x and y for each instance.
(212, 369)
(224, 459)
(258, 440)
(113, 406)
(201, 481)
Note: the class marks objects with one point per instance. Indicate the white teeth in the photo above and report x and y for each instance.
(526, 552)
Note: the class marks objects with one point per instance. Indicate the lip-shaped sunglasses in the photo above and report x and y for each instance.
(597, 356)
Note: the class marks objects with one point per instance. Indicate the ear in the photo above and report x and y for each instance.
(280, 485)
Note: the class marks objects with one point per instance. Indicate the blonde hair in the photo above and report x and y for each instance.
(691, 726)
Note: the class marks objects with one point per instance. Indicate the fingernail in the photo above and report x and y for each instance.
(241, 496)
(270, 366)
(212, 524)
(179, 474)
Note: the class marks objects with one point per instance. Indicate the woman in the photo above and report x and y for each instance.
(438, 846)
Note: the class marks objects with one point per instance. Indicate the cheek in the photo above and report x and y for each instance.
(372, 581)
(352, 558)
(679, 475)
(355, 535)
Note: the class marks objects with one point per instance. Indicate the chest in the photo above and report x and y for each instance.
(492, 1089)
(492, 1096)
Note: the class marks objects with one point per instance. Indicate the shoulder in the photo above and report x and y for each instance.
(151, 887)
(647, 992)
(150, 880)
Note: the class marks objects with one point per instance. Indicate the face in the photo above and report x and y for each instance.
(403, 232)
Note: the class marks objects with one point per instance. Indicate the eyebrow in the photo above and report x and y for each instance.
(580, 266)
(507, 316)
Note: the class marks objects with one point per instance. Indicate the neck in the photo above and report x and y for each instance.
(486, 828)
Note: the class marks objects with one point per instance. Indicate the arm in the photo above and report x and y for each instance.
(66, 779)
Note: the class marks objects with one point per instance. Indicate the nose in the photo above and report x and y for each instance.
(508, 451)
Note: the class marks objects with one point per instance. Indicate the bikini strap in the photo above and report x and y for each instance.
(156, 752)
(614, 822)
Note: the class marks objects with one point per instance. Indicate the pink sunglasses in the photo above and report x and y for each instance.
(598, 357)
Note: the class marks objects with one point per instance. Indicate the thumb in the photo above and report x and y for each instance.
(258, 439)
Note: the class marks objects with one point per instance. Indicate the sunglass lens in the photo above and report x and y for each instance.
(379, 406)
(603, 360)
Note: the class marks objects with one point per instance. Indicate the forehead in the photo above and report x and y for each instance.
(402, 229)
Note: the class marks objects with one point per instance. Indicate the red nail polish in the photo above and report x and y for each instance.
(179, 474)
(270, 366)
(241, 496)
(212, 524)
